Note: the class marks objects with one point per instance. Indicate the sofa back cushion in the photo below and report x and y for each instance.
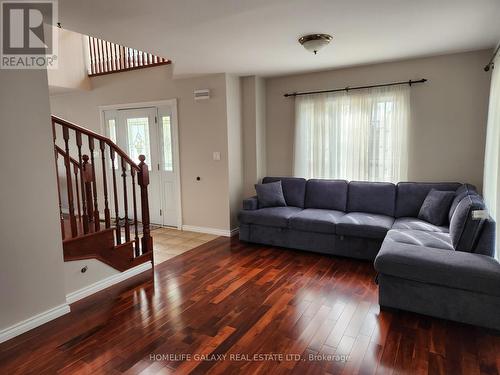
(411, 195)
(326, 194)
(460, 193)
(464, 230)
(294, 189)
(371, 197)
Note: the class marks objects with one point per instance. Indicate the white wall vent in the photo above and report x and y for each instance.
(201, 94)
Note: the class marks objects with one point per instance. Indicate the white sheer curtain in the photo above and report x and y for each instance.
(491, 188)
(356, 135)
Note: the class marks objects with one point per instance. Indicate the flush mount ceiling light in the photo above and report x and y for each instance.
(314, 42)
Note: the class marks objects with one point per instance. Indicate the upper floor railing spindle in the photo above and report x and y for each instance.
(106, 57)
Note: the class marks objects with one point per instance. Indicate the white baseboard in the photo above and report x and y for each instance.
(106, 283)
(33, 322)
(207, 230)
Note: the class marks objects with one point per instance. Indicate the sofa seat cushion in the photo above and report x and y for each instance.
(417, 224)
(449, 268)
(420, 238)
(361, 224)
(269, 216)
(316, 220)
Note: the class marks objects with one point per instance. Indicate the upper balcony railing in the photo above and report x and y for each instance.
(107, 57)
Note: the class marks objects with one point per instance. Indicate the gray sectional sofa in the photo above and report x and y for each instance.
(444, 271)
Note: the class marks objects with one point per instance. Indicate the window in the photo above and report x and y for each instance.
(112, 129)
(138, 138)
(357, 135)
(167, 144)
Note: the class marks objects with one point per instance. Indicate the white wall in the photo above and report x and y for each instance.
(31, 270)
(75, 280)
(260, 127)
(71, 73)
(254, 131)
(447, 134)
(202, 130)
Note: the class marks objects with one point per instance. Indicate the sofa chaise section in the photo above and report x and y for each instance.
(450, 275)
(444, 283)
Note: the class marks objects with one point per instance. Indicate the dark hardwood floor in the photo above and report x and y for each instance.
(241, 302)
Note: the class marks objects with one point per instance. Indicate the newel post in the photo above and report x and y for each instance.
(143, 180)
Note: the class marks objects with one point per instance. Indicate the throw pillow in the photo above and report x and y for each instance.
(270, 195)
(436, 207)
(464, 230)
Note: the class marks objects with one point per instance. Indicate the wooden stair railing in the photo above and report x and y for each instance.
(92, 196)
(77, 175)
(106, 57)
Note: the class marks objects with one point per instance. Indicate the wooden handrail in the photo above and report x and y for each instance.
(73, 161)
(97, 136)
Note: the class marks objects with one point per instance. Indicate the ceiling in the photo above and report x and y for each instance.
(259, 37)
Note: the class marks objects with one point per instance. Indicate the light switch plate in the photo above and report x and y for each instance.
(216, 155)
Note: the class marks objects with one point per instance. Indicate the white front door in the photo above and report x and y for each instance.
(152, 131)
(169, 170)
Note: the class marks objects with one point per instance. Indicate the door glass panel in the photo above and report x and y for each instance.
(167, 144)
(112, 129)
(138, 138)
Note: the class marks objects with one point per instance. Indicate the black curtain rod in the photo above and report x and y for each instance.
(491, 65)
(410, 82)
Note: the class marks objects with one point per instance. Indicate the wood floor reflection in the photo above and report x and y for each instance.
(232, 308)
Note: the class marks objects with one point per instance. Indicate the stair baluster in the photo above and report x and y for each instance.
(107, 218)
(69, 185)
(97, 223)
(115, 198)
(92, 53)
(61, 217)
(85, 217)
(75, 171)
(125, 200)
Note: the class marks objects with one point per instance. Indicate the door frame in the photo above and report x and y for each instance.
(175, 133)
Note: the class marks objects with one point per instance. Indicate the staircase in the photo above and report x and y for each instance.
(92, 171)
